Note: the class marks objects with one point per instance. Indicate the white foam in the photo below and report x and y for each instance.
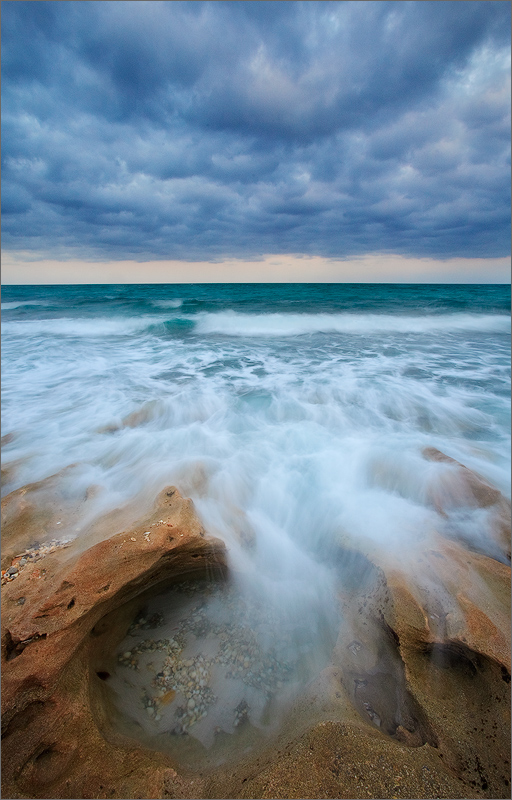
(67, 326)
(232, 323)
(16, 304)
(176, 303)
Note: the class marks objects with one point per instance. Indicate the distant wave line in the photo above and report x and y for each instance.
(232, 323)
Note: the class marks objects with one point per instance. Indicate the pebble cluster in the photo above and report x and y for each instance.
(237, 650)
(141, 623)
(31, 555)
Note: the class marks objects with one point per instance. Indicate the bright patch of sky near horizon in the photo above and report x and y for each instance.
(242, 132)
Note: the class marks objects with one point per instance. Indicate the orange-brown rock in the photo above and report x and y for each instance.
(54, 623)
(450, 594)
(462, 487)
(432, 631)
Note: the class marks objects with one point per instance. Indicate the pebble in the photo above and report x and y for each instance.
(29, 556)
(238, 651)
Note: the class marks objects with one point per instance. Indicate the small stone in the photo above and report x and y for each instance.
(12, 571)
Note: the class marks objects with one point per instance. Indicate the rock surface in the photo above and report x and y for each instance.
(415, 701)
(51, 699)
(460, 488)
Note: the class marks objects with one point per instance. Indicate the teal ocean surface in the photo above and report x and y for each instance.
(292, 415)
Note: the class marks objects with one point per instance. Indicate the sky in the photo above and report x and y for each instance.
(248, 141)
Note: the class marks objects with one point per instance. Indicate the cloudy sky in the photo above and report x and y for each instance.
(147, 141)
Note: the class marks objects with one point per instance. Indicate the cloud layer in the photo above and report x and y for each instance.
(206, 131)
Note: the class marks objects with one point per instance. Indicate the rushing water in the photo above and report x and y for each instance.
(293, 415)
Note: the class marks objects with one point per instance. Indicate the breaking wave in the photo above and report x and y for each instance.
(232, 323)
(16, 304)
(67, 326)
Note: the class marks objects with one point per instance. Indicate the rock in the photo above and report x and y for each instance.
(460, 487)
(53, 646)
(434, 629)
(470, 603)
(472, 486)
(29, 514)
(167, 697)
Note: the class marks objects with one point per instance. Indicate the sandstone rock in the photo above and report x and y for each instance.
(452, 594)
(51, 700)
(31, 513)
(461, 487)
(433, 632)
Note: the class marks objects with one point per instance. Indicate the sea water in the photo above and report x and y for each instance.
(294, 416)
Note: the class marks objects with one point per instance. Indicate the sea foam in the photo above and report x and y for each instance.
(232, 323)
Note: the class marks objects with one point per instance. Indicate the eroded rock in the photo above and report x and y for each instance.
(51, 703)
(462, 488)
(429, 659)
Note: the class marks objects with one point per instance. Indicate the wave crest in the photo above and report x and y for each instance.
(67, 326)
(9, 306)
(232, 323)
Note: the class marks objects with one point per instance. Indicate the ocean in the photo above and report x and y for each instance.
(293, 415)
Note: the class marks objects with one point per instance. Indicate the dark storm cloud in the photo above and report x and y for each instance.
(201, 130)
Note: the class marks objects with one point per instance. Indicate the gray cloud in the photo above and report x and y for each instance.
(208, 130)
